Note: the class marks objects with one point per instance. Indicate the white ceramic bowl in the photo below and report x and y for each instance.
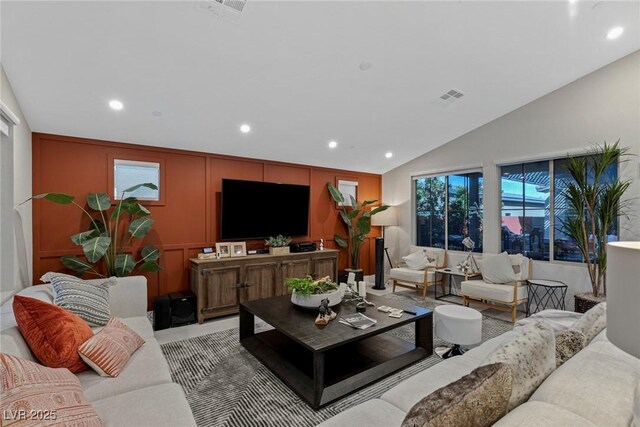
(313, 301)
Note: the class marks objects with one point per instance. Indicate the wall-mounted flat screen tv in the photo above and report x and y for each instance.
(256, 210)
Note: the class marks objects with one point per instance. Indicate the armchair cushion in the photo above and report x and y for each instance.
(408, 275)
(434, 255)
(497, 269)
(492, 291)
(417, 260)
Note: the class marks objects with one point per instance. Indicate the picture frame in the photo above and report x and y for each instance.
(238, 249)
(224, 249)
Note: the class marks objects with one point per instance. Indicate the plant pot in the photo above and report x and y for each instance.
(281, 250)
(586, 301)
(313, 301)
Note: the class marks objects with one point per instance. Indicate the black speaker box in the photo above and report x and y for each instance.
(161, 313)
(183, 308)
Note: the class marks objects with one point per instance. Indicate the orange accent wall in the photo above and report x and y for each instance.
(186, 220)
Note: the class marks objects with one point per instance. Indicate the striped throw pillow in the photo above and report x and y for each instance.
(33, 395)
(108, 351)
(87, 300)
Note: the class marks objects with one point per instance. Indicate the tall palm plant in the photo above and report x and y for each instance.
(595, 203)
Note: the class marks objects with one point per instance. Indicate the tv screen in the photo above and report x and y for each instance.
(256, 210)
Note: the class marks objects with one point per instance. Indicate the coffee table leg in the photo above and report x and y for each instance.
(318, 378)
(246, 324)
(424, 334)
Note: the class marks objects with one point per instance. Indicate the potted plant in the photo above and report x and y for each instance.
(308, 292)
(595, 204)
(106, 245)
(278, 245)
(357, 221)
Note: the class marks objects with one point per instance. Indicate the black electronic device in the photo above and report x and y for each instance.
(379, 263)
(183, 308)
(161, 313)
(256, 210)
(302, 247)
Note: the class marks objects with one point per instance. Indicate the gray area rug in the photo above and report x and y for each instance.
(226, 386)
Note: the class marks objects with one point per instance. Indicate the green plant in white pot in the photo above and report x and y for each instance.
(309, 293)
(278, 245)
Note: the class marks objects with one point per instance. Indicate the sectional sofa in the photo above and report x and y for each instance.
(143, 394)
(593, 388)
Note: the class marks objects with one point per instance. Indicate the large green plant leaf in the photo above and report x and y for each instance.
(379, 209)
(340, 241)
(150, 253)
(346, 218)
(99, 225)
(364, 226)
(135, 187)
(335, 194)
(151, 266)
(368, 202)
(99, 201)
(60, 198)
(354, 202)
(124, 264)
(136, 209)
(95, 248)
(74, 263)
(140, 227)
(80, 238)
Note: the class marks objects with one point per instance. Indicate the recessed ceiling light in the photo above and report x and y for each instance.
(116, 105)
(245, 128)
(614, 33)
(333, 144)
(388, 154)
(156, 113)
(365, 65)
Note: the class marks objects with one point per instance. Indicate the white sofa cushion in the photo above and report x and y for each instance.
(410, 391)
(11, 342)
(417, 260)
(409, 275)
(157, 406)
(145, 368)
(592, 322)
(531, 355)
(636, 406)
(140, 325)
(374, 412)
(434, 255)
(491, 291)
(542, 414)
(497, 269)
(597, 384)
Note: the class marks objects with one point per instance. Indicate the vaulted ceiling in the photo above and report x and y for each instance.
(367, 74)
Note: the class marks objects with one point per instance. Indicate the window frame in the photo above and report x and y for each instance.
(127, 157)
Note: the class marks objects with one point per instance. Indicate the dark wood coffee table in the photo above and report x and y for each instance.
(324, 364)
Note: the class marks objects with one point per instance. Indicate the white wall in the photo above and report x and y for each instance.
(21, 181)
(602, 106)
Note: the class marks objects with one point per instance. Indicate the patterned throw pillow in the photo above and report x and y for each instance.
(568, 343)
(477, 399)
(52, 333)
(108, 351)
(592, 322)
(531, 355)
(33, 395)
(88, 300)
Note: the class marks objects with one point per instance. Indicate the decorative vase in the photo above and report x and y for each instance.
(279, 250)
(313, 301)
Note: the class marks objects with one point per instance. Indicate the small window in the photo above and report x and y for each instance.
(128, 173)
(348, 189)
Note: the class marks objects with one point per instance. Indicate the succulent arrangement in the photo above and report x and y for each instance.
(279, 241)
(309, 286)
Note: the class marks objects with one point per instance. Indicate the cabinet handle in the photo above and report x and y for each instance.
(243, 285)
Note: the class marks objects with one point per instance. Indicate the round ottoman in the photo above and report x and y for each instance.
(458, 325)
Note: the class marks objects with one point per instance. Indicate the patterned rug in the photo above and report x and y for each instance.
(226, 386)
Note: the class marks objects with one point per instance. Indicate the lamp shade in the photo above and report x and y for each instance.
(623, 296)
(386, 217)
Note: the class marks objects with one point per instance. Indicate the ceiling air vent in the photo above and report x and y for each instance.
(452, 95)
(225, 9)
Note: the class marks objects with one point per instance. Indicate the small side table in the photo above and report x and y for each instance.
(544, 292)
(450, 273)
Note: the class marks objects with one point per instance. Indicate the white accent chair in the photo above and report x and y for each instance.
(420, 279)
(500, 296)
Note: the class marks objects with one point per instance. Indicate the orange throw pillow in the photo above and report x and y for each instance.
(53, 333)
(32, 395)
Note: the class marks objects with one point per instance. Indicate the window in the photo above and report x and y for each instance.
(448, 209)
(127, 173)
(532, 217)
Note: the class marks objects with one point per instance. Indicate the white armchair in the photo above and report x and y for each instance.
(420, 280)
(499, 290)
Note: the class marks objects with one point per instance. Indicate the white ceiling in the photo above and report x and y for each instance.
(291, 70)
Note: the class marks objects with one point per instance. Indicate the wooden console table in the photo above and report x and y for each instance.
(222, 284)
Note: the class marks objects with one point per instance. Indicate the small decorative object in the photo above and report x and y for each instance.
(217, 255)
(322, 244)
(471, 263)
(238, 249)
(325, 314)
(224, 249)
(278, 245)
(206, 256)
(362, 288)
(207, 250)
(361, 307)
(309, 293)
